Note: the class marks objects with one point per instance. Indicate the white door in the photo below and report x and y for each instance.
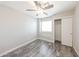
(67, 31)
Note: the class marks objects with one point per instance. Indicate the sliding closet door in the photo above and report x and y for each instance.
(67, 31)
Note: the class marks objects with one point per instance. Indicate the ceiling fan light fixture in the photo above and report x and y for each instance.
(41, 6)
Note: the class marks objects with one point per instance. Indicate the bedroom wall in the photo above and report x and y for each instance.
(16, 28)
(61, 15)
(76, 30)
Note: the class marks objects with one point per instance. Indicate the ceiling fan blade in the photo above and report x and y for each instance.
(37, 3)
(31, 10)
(46, 3)
(48, 7)
(45, 13)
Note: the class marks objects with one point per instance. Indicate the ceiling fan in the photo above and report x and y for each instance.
(42, 6)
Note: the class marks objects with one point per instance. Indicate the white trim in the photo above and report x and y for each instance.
(46, 39)
(17, 47)
(76, 51)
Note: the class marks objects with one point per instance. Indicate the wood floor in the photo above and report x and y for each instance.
(40, 48)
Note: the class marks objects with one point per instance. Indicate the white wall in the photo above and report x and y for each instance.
(16, 28)
(54, 17)
(76, 30)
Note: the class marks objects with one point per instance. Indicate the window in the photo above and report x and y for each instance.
(46, 26)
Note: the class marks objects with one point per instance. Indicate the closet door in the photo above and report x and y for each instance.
(67, 31)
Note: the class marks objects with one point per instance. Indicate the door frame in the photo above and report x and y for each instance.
(54, 28)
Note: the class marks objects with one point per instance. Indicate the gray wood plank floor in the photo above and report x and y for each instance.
(40, 48)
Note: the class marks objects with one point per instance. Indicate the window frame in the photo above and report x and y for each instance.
(41, 25)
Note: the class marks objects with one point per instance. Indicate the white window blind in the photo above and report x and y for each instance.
(46, 26)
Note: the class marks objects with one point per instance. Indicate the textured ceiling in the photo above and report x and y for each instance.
(59, 6)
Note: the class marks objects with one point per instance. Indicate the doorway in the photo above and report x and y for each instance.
(57, 30)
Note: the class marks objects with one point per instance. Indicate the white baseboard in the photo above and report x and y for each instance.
(52, 41)
(17, 47)
(76, 51)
